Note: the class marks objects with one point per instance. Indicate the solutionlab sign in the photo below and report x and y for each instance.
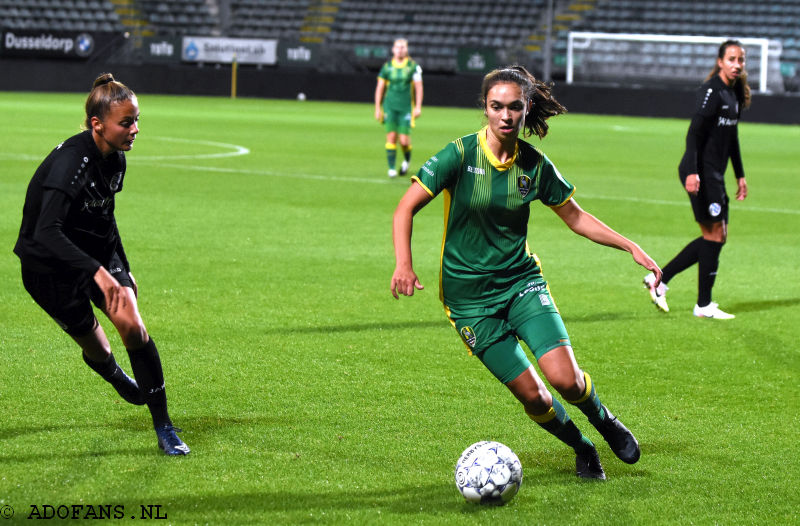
(225, 50)
(48, 44)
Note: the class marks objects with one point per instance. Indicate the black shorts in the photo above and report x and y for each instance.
(710, 205)
(67, 297)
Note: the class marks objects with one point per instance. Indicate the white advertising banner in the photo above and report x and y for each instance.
(223, 50)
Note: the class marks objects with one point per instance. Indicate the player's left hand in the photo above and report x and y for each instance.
(417, 112)
(741, 192)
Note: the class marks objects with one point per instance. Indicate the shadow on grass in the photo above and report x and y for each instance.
(762, 305)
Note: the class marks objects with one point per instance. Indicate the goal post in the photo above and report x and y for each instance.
(631, 56)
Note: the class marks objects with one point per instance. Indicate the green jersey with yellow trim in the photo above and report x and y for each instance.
(400, 77)
(485, 252)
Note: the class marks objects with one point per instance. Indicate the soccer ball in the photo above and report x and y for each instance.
(488, 472)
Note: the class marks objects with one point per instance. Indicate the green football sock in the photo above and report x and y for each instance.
(391, 154)
(407, 152)
(589, 403)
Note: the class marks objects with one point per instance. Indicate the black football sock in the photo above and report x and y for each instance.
(685, 259)
(146, 365)
(707, 270)
(112, 373)
(558, 423)
(105, 368)
(589, 403)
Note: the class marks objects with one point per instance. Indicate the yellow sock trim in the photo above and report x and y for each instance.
(588, 381)
(541, 419)
(406, 148)
(391, 146)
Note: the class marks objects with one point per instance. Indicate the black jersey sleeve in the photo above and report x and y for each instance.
(67, 172)
(706, 103)
(736, 155)
(49, 232)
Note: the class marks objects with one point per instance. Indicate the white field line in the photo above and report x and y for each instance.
(382, 179)
(236, 150)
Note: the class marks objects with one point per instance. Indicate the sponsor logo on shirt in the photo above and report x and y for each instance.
(95, 203)
(476, 170)
(724, 121)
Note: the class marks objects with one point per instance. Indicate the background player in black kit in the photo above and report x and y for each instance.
(712, 139)
(71, 252)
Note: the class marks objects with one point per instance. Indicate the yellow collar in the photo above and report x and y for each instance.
(489, 155)
(400, 64)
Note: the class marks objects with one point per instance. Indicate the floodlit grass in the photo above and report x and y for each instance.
(309, 395)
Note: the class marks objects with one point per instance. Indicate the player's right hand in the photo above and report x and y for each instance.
(111, 289)
(404, 282)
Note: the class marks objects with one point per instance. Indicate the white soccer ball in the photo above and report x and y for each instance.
(488, 472)
(301, 96)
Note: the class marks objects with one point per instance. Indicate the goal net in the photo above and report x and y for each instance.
(664, 59)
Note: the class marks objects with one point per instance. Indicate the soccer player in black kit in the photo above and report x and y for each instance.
(712, 139)
(72, 256)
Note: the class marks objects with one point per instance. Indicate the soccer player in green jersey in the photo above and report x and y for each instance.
(399, 84)
(490, 283)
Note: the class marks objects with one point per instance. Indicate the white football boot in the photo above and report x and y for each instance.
(658, 294)
(712, 311)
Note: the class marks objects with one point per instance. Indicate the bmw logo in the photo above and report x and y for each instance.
(84, 45)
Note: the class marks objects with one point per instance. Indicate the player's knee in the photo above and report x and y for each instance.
(133, 334)
(569, 384)
(536, 400)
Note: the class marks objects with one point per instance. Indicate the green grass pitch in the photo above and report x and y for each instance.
(260, 234)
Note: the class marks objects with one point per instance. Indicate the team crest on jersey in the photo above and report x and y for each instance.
(469, 336)
(523, 185)
(714, 209)
(115, 181)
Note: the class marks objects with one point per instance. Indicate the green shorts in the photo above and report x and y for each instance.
(397, 121)
(531, 316)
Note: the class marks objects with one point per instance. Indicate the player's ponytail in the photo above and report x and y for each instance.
(535, 91)
(105, 91)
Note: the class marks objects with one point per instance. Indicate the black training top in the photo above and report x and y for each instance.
(713, 136)
(68, 219)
